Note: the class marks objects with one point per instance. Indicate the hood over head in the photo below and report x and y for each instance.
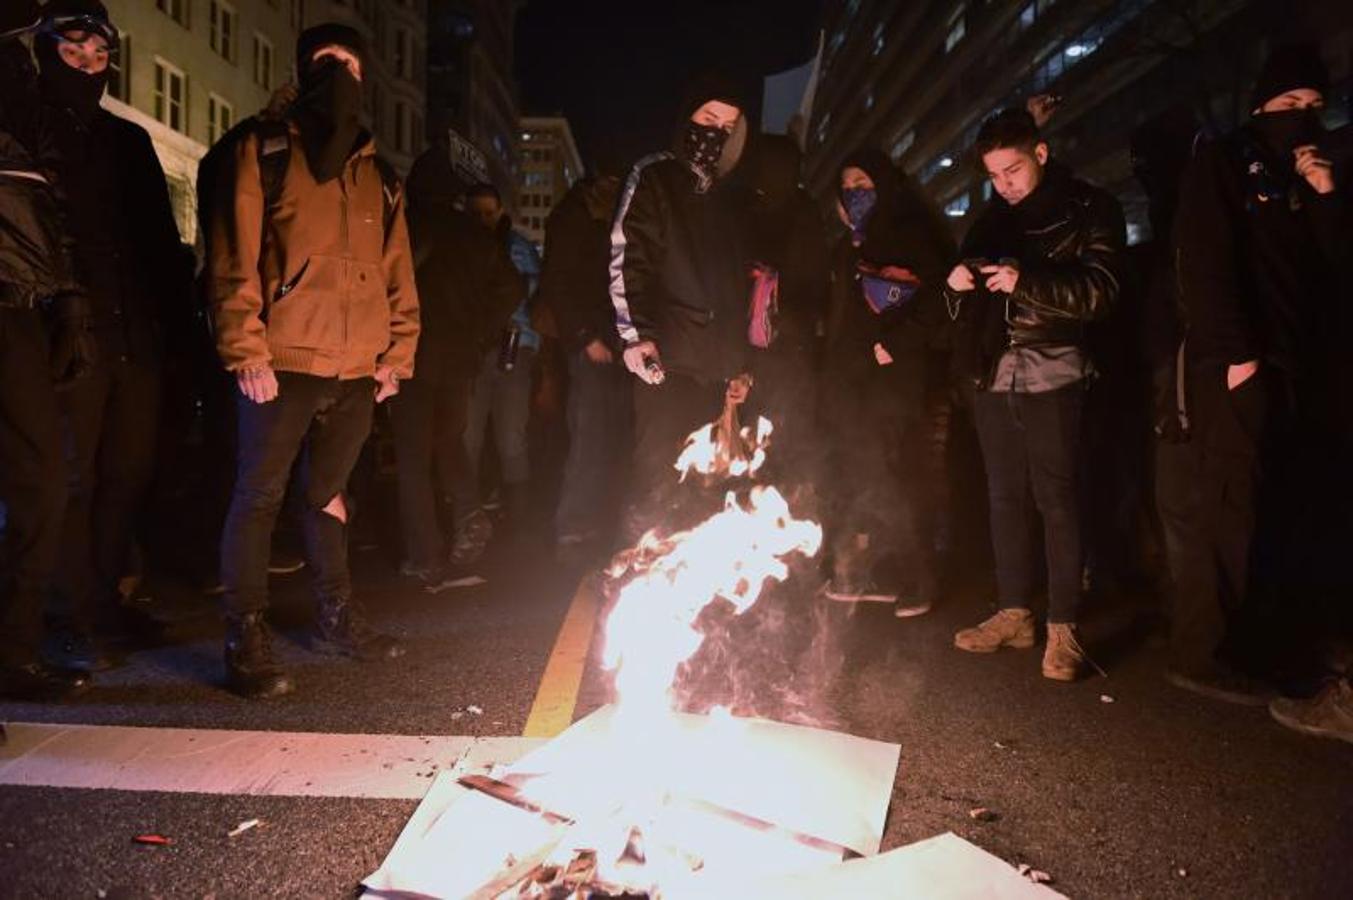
(903, 220)
(1289, 68)
(721, 87)
(62, 84)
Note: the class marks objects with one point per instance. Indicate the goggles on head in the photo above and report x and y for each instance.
(78, 29)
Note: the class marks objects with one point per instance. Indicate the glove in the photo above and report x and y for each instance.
(74, 350)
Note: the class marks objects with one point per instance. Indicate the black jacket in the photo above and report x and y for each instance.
(1256, 249)
(677, 273)
(128, 254)
(574, 280)
(34, 261)
(903, 231)
(1068, 238)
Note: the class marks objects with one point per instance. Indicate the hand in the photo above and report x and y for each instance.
(258, 383)
(74, 350)
(960, 279)
(642, 359)
(1041, 107)
(1001, 278)
(387, 383)
(597, 352)
(1240, 373)
(882, 355)
(1316, 169)
(739, 386)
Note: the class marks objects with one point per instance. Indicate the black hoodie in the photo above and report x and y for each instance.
(677, 273)
(905, 231)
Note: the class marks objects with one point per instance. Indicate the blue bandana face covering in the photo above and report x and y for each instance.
(858, 204)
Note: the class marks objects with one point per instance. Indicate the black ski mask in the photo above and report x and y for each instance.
(65, 85)
(703, 147)
(329, 112)
(1288, 129)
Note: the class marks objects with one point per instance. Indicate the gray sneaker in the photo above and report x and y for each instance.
(471, 537)
(1327, 714)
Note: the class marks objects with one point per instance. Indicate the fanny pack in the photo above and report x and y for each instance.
(763, 307)
(887, 287)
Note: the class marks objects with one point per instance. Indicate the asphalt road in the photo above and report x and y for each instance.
(1156, 793)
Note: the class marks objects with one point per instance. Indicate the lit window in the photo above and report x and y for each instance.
(946, 162)
(987, 190)
(262, 62)
(878, 39)
(903, 144)
(224, 20)
(220, 118)
(1027, 15)
(869, 99)
(822, 127)
(171, 96)
(957, 208)
(120, 69)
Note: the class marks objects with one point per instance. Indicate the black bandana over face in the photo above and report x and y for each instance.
(65, 85)
(703, 147)
(1288, 129)
(329, 112)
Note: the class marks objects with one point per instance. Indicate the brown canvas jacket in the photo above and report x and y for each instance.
(320, 285)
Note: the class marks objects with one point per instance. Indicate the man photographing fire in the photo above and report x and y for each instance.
(678, 287)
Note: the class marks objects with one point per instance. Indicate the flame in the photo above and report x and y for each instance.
(707, 452)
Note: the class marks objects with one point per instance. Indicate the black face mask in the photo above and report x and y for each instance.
(66, 86)
(1288, 129)
(703, 148)
(329, 112)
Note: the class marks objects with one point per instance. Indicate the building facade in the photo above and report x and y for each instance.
(189, 69)
(549, 166)
(918, 79)
(471, 88)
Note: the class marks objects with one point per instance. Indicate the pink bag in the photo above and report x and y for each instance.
(764, 306)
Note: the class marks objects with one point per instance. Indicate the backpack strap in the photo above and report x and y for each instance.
(391, 187)
(274, 156)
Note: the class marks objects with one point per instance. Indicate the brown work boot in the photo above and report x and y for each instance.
(1008, 628)
(1327, 714)
(1063, 657)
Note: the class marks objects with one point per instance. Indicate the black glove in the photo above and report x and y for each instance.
(74, 350)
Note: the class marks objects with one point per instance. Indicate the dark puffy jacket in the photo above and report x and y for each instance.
(677, 274)
(573, 283)
(1069, 240)
(127, 248)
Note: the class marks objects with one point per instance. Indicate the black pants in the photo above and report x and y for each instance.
(664, 415)
(599, 414)
(111, 420)
(429, 417)
(1208, 493)
(326, 420)
(32, 482)
(880, 471)
(1031, 448)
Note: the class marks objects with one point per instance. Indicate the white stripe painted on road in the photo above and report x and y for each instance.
(255, 763)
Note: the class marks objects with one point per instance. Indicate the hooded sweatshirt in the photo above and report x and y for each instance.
(905, 232)
(676, 262)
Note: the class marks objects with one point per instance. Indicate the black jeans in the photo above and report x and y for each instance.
(1031, 446)
(429, 416)
(1208, 492)
(111, 420)
(327, 421)
(32, 482)
(600, 410)
(664, 415)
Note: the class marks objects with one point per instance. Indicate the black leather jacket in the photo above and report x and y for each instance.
(34, 251)
(1068, 239)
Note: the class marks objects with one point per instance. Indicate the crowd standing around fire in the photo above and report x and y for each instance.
(1188, 394)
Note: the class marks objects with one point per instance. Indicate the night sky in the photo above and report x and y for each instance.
(618, 70)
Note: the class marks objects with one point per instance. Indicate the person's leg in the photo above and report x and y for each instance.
(341, 426)
(126, 466)
(1052, 427)
(33, 486)
(83, 405)
(511, 415)
(664, 415)
(411, 414)
(478, 410)
(591, 440)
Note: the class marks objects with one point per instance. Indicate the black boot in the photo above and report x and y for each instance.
(342, 630)
(251, 671)
(39, 682)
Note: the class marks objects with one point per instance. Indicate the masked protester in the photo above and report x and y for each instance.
(1259, 235)
(35, 277)
(316, 316)
(885, 318)
(573, 290)
(679, 289)
(126, 250)
(1043, 260)
(467, 289)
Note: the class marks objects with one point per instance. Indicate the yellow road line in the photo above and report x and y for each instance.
(557, 695)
